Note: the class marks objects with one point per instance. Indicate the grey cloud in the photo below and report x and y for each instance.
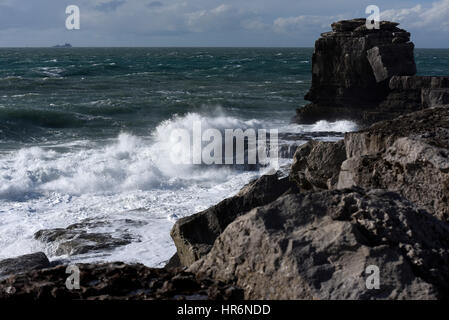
(28, 15)
(223, 17)
(303, 23)
(207, 22)
(155, 4)
(110, 6)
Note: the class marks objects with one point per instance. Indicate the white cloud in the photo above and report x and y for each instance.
(435, 17)
(304, 22)
(295, 23)
(254, 24)
(223, 17)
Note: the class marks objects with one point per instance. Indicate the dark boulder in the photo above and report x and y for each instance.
(173, 262)
(24, 263)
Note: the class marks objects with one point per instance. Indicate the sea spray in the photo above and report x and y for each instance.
(130, 177)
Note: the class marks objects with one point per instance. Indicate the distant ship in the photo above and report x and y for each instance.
(67, 45)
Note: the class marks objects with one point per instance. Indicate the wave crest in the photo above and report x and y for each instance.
(128, 163)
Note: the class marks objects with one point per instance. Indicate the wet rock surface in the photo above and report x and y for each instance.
(81, 238)
(24, 263)
(318, 246)
(289, 142)
(115, 281)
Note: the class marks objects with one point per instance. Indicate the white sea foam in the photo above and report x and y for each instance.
(52, 72)
(24, 95)
(130, 177)
(130, 163)
(323, 126)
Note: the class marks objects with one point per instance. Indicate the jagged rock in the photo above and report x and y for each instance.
(24, 263)
(74, 242)
(316, 165)
(347, 25)
(289, 142)
(412, 93)
(115, 281)
(344, 84)
(80, 238)
(390, 60)
(409, 155)
(434, 97)
(319, 245)
(195, 235)
(418, 82)
(173, 262)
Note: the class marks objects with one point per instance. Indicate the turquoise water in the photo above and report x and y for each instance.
(85, 134)
(59, 94)
(49, 95)
(432, 62)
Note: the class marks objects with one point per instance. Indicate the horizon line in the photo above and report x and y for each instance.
(179, 47)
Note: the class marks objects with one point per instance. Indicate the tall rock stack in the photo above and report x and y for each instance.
(351, 70)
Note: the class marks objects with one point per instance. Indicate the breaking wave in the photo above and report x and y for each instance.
(340, 126)
(127, 163)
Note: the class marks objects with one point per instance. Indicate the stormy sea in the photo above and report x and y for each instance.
(85, 139)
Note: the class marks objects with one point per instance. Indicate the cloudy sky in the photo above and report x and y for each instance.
(294, 23)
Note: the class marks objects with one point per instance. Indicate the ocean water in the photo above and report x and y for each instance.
(84, 135)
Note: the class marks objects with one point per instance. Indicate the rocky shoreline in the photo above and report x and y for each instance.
(379, 197)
